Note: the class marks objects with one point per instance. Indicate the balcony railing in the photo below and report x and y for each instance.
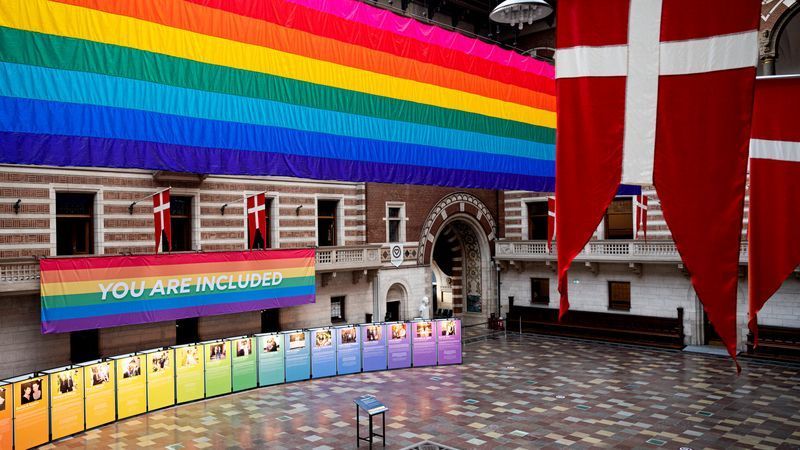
(19, 275)
(332, 259)
(599, 251)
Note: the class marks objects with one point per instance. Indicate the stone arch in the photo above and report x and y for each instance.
(775, 17)
(454, 205)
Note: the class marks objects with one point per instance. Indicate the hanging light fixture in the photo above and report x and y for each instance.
(519, 12)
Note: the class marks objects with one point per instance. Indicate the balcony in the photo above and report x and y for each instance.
(19, 275)
(335, 259)
(600, 251)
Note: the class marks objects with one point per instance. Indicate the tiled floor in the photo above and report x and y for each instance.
(520, 392)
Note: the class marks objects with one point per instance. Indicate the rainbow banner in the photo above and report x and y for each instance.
(334, 89)
(110, 291)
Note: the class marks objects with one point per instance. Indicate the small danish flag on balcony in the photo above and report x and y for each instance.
(257, 218)
(162, 220)
(658, 92)
(773, 249)
(640, 203)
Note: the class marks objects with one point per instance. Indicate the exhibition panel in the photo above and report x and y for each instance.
(189, 372)
(448, 336)
(160, 378)
(31, 415)
(6, 407)
(66, 401)
(131, 385)
(424, 343)
(348, 351)
(323, 353)
(243, 365)
(399, 346)
(100, 392)
(271, 364)
(298, 355)
(218, 367)
(373, 347)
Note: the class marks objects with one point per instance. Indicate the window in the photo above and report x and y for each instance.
(84, 346)
(537, 220)
(186, 331)
(619, 219)
(180, 209)
(540, 291)
(337, 309)
(74, 223)
(395, 223)
(619, 295)
(258, 242)
(326, 222)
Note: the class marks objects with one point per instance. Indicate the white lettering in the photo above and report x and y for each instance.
(266, 279)
(185, 285)
(115, 290)
(158, 288)
(255, 280)
(277, 277)
(172, 286)
(220, 286)
(246, 280)
(134, 292)
(208, 283)
(105, 290)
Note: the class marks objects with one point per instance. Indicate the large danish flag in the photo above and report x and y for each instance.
(774, 249)
(162, 219)
(658, 92)
(257, 218)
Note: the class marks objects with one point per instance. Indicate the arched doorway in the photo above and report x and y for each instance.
(457, 243)
(396, 301)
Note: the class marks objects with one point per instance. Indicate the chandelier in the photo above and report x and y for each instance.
(519, 12)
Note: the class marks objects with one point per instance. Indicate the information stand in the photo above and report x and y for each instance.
(131, 385)
(372, 407)
(31, 418)
(243, 365)
(66, 401)
(323, 353)
(271, 364)
(6, 423)
(373, 346)
(189, 373)
(100, 392)
(218, 367)
(298, 356)
(348, 350)
(160, 378)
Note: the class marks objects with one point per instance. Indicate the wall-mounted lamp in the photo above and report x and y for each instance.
(297, 210)
(130, 208)
(222, 209)
(16, 206)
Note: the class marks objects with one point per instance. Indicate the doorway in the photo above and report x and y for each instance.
(710, 336)
(392, 311)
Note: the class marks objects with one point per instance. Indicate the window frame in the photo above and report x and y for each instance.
(402, 218)
(269, 210)
(616, 304)
(605, 224)
(193, 217)
(547, 298)
(342, 299)
(338, 223)
(528, 218)
(97, 229)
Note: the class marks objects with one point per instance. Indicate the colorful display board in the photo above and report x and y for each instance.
(360, 93)
(298, 355)
(100, 393)
(6, 422)
(190, 371)
(423, 343)
(271, 365)
(218, 368)
(323, 353)
(31, 410)
(348, 350)
(160, 378)
(448, 335)
(373, 347)
(398, 345)
(243, 365)
(131, 385)
(110, 291)
(66, 401)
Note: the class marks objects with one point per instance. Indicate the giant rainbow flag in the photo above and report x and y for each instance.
(331, 89)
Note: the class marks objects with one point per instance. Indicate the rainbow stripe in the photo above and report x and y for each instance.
(331, 89)
(110, 291)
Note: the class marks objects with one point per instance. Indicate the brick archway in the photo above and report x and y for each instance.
(453, 205)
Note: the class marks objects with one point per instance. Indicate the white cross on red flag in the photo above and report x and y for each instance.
(257, 218)
(162, 219)
(641, 216)
(774, 249)
(658, 92)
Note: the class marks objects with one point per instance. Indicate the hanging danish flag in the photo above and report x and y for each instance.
(658, 92)
(640, 203)
(774, 249)
(551, 222)
(257, 218)
(161, 218)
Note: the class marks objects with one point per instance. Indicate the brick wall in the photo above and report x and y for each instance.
(134, 338)
(418, 202)
(23, 348)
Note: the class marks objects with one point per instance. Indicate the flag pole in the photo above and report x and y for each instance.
(130, 207)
